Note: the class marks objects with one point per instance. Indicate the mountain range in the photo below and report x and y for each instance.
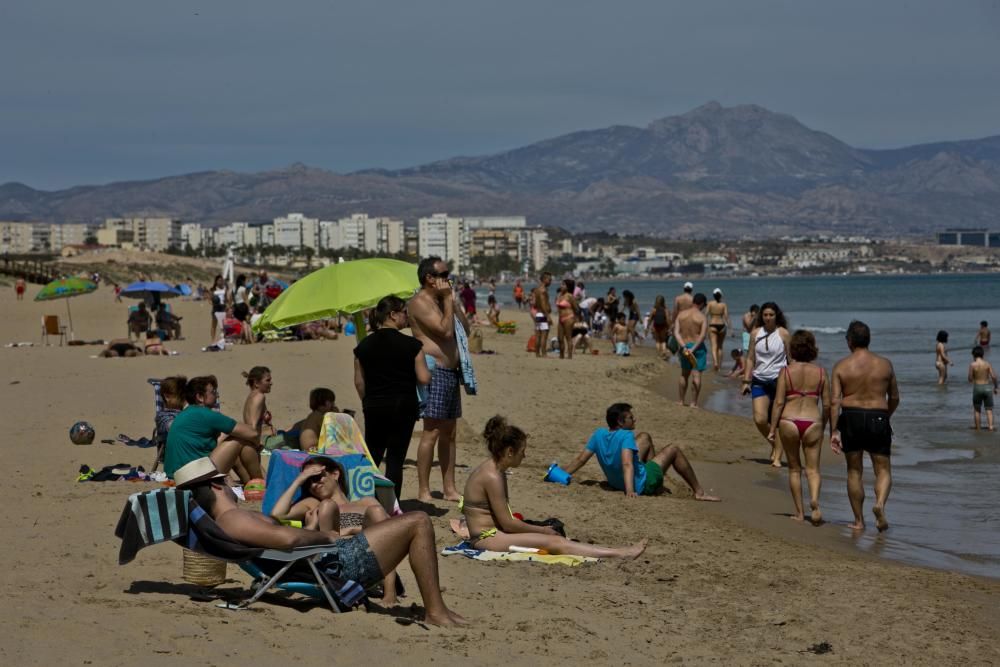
(725, 172)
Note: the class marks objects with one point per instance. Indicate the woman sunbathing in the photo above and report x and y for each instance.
(485, 503)
(325, 506)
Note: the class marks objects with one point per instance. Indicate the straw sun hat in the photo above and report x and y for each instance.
(199, 470)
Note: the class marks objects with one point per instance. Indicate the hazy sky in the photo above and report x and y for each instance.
(105, 90)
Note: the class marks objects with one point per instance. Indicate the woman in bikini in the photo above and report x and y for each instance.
(255, 409)
(566, 305)
(942, 360)
(325, 506)
(487, 511)
(765, 360)
(631, 310)
(718, 324)
(659, 318)
(798, 419)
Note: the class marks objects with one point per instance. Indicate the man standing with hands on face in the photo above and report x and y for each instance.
(432, 312)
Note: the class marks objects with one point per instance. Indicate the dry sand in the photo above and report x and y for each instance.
(732, 583)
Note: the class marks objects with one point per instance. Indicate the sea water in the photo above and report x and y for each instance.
(944, 508)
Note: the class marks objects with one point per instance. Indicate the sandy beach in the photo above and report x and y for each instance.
(730, 583)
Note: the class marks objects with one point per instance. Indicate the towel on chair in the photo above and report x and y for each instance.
(150, 518)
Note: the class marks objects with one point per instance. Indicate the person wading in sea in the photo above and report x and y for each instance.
(865, 395)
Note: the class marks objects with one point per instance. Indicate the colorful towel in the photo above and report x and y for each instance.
(467, 550)
(151, 518)
(465, 359)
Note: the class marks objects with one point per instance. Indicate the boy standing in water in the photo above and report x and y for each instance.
(982, 375)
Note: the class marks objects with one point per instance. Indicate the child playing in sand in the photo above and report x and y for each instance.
(620, 336)
(738, 368)
(255, 410)
(982, 375)
(486, 505)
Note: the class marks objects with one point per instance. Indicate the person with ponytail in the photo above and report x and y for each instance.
(486, 506)
(388, 366)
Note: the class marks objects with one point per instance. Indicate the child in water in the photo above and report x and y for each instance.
(487, 511)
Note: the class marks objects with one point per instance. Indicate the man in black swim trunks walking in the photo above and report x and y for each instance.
(864, 394)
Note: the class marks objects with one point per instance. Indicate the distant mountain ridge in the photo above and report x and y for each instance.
(713, 171)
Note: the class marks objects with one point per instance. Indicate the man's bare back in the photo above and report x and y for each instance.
(682, 301)
(865, 380)
(691, 325)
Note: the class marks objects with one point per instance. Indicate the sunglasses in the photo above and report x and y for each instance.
(443, 274)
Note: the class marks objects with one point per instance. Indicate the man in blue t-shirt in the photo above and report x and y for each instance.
(629, 460)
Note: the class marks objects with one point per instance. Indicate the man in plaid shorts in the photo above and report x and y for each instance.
(433, 312)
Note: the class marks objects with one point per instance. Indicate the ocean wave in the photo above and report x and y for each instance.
(824, 330)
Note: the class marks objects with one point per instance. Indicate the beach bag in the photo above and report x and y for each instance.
(476, 341)
(532, 344)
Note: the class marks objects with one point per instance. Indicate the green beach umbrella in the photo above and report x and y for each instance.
(345, 288)
(64, 288)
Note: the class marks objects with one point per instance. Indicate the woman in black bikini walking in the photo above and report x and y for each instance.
(718, 324)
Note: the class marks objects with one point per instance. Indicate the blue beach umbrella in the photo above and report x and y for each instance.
(145, 289)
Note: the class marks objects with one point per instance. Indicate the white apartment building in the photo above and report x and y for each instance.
(16, 237)
(232, 234)
(296, 231)
(151, 233)
(445, 237)
(534, 247)
(382, 235)
(69, 234)
(496, 222)
(191, 233)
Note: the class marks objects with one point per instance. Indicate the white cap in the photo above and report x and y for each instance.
(717, 291)
(689, 285)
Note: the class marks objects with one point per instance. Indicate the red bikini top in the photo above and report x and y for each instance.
(792, 391)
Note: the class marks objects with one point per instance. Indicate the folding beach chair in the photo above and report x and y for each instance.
(159, 438)
(165, 515)
(51, 327)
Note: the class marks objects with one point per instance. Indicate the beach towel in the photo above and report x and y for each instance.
(465, 359)
(467, 550)
(151, 518)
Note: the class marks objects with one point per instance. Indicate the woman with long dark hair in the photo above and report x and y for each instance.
(388, 366)
(765, 361)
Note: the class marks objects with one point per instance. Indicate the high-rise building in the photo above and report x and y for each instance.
(296, 231)
(445, 237)
(191, 235)
(361, 232)
(16, 237)
(67, 234)
(496, 222)
(151, 233)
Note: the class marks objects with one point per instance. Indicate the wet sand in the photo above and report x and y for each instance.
(734, 583)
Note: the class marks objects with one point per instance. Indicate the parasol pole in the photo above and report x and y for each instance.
(69, 314)
(359, 326)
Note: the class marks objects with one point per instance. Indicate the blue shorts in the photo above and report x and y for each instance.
(760, 388)
(444, 394)
(352, 558)
(622, 349)
(700, 358)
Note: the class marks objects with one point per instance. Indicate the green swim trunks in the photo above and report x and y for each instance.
(654, 479)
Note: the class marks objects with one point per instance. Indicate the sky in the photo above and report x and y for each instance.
(109, 90)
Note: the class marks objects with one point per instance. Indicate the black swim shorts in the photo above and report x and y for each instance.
(865, 430)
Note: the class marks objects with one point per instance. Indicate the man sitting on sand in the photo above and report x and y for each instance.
(365, 558)
(629, 461)
(321, 401)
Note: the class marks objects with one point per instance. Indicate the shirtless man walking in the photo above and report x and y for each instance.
(432, 314)
(682, 300)
(865, 395)
(542, 313)
(690, 329)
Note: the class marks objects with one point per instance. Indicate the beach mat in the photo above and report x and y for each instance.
(467, 550)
